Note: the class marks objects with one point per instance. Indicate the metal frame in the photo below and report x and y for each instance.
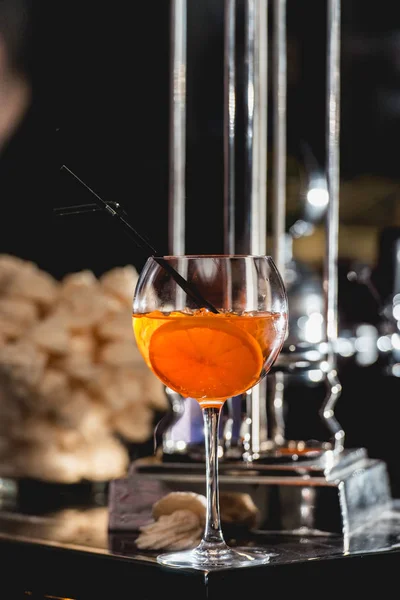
(255, 169)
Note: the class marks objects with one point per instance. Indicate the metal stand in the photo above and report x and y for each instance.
(315, 494)
(296, 484)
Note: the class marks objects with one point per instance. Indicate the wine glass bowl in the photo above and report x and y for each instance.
(210, 341)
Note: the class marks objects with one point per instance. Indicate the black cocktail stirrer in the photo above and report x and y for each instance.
(115, 210)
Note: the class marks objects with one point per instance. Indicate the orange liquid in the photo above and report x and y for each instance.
(206, 356)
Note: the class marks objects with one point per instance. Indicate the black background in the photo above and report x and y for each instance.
(100, 75)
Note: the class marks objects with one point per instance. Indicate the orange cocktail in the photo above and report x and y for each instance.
(210, 327)
(206, 356)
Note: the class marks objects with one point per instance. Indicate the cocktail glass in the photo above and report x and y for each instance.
(211, 355)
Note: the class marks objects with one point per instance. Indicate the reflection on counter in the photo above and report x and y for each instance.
(67, 527)
(86, 530)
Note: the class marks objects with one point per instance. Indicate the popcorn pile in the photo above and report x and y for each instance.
(73, 385)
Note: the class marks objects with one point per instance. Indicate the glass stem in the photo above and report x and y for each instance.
(213, 531)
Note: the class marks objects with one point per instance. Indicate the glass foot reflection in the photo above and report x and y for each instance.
(222, 558)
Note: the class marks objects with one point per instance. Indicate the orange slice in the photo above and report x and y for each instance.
(207, 358)
(143, 329)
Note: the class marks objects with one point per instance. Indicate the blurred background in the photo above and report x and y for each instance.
(89, 87)
(99, 103)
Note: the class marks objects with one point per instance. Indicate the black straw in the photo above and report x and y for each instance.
(115, 210)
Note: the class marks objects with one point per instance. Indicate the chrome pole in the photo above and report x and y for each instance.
(177, 169)
(229, 125)
(261, 123)
(177, 127)
(256, 107)
(279, 95)
(330, 283)
(250, 170)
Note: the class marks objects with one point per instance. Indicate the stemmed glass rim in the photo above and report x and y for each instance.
(200, 256)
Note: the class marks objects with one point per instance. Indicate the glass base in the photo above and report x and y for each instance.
(213, 559)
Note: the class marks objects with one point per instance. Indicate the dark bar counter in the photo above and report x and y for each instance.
(69, 553)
